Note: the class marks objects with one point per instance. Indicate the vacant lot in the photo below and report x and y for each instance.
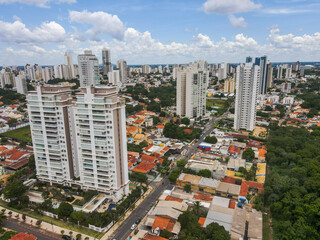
(218, 105)
(20, 134)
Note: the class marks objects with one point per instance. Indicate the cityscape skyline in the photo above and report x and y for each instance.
(215, 30)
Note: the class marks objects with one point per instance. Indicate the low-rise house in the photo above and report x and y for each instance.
(235, 164)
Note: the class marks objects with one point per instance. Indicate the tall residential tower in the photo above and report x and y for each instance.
(106, 61)
(191, 91)
(88, 69)
(247, 85)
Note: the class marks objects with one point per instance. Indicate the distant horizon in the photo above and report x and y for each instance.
(167, 31)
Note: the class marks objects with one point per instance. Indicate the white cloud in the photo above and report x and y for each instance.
(286, 11)
(38, 3)
(230, 6)
(102, 23)
(17, 32)
(237, 22)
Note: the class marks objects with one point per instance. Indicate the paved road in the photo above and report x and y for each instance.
(26, 228)
(208, 129)
(123, 231)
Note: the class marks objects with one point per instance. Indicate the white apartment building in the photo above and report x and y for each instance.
(47, 74)
(247, 85)
(286, 87)
(114, 77)
(122, 67)
(21, 84)
(88, 69)
(191, 91)
(52, 123)
(68, 60)
(101, 140)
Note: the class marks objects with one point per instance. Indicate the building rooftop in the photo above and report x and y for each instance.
(192, 179)
(144, 167)
(23, 236)
(228, 188)
(255, 225)
(220, 201)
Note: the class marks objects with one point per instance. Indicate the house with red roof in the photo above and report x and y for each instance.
(23, 236)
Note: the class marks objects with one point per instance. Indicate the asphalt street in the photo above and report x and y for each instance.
(26, 228)
(123, 231)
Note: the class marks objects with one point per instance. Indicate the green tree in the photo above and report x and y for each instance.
(174, 176)
(165, 234)
(181, 163)
(185, 121)
(12, 121)
(205, 173)
(248, 154)
(156, 120)
(14, 190)
(211, 139)
(187, 188)
(4, 140)
(65, 210)
(216, 232)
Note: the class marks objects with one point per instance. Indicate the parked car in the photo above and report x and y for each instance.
(66, 237)
(133, 226)
(138, 220)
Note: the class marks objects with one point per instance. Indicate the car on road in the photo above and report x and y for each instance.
(139, 219)
(133, 226)
(66, 237)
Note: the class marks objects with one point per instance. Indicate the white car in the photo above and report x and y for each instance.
(133, 226)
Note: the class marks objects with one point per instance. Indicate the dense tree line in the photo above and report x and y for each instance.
(172, 130)
(10, 97)
(292, 191)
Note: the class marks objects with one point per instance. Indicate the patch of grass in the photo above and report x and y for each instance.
(222, 105)
(266, 227)
(7, 235)
(20, 134)
(60, 223)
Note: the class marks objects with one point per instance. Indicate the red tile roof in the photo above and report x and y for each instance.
(18, 155)
(203, 197)
(148, 236)
(169, 198)
(144, 167)
(148, 158)
(148, 147)
(9, 152)
(229, 180)
(201, 221)
(2, 148)
(245, 185)
(23, 236)
(234, 149)
(232, 204)
(163, 223)
(18, 164)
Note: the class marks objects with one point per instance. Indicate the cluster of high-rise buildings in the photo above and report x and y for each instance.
(80, 140)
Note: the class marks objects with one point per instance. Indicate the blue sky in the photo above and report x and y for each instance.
(159, 31)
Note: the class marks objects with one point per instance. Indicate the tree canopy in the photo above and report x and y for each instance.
(292, 191)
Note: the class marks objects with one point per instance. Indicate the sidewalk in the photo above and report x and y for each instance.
(123, 218)
(44, 225)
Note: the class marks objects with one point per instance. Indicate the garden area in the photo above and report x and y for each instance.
(21, 134)
(218, 106)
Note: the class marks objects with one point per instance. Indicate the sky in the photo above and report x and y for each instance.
(159, 31)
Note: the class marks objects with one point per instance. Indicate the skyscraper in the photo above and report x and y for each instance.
(191, 91)
(88, 69)
(51, 121)
(21, 84)
(122, 67)
(101, 140)
(85, 138)
(106, 61)
(269, 75)
(68, 60)
(247, 85)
